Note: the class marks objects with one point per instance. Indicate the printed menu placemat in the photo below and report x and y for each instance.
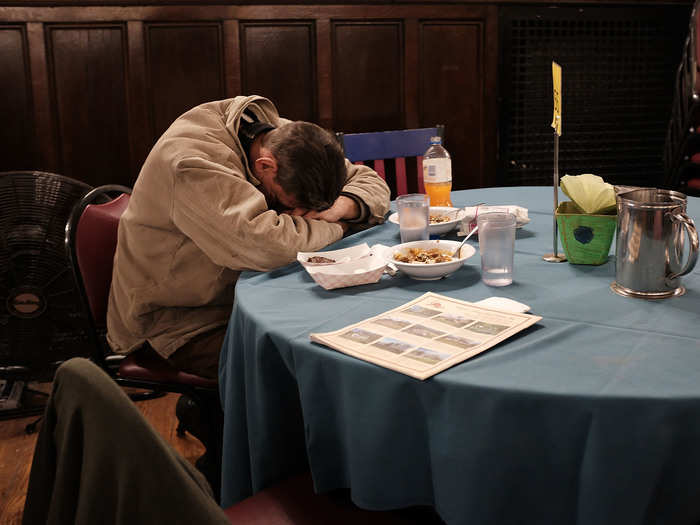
(427, 335)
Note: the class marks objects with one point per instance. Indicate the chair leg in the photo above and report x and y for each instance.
(201, 416)
(189, 416)
(180, 430)
(145, 396)
(31, 427)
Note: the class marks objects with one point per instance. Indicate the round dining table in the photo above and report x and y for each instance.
(590, 416)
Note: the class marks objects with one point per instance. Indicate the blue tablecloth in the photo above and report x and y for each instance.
(591, 416)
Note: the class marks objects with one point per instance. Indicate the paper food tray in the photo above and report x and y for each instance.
(354, 266)
(338, 256)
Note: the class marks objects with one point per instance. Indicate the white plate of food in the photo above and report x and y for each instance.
(470, 213)
(428, 260)
(442, 219)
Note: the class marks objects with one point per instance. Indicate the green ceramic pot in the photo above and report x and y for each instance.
(586, 239)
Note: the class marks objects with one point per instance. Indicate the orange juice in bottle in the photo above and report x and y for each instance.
(437, 173)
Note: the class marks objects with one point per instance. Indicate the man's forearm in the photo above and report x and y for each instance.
(353, 207)
(369, 190)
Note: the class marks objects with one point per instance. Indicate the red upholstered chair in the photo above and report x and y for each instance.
(375, 148)
(693, 186)
(293, 502)
(91, 240)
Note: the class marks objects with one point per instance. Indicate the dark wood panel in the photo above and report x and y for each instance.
(368, 75)
(324, 60)
(232, 57)
(208, 12)
(44, 119)
(350, 67)
(139, 129)
(411, 71)
(17, 140)
(185, 68)
(278, 60)
(275, 3)
(451, 92)
(88, 76)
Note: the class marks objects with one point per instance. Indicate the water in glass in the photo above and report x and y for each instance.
(414, 212)
(496, 242)
(413, 224)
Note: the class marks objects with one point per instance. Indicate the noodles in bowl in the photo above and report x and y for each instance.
(429, 260)
(442, 219)
(421, 255)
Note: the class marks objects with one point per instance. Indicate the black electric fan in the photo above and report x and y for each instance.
(41, 323)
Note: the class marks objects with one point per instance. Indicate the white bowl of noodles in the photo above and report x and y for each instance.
(429, 260)
(442, 219)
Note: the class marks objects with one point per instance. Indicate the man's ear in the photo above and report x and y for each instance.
(266, 164)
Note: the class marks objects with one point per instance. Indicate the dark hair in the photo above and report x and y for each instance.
(310, 163)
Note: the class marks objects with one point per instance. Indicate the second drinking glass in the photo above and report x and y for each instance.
(496, 243)
(414, 216)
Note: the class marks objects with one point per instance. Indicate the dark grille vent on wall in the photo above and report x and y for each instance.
(618, 74)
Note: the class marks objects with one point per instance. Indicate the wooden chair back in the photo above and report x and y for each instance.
(378, 147)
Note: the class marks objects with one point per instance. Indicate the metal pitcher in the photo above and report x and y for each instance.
(650, 243)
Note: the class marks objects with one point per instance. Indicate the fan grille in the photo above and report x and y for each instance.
(41, 323)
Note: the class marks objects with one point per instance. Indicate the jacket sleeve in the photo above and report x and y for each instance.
(364, 183)
(228, 219)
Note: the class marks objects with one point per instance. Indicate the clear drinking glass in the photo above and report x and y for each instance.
(496, 243)
(414, 216)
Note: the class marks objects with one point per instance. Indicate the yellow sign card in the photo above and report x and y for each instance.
(556, 82)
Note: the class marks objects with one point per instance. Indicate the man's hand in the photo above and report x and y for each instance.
(343, 208)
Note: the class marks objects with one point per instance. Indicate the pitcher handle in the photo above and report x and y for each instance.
(693, 237)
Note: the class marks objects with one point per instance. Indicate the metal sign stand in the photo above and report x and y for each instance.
(556, 124)
(554, 256)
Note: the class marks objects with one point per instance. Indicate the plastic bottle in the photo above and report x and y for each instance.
(437, 173)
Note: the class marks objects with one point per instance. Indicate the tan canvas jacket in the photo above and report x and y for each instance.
(196, 219)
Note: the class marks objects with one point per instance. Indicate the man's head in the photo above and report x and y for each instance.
(305, 162)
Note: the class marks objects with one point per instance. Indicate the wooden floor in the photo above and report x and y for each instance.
(16, 449)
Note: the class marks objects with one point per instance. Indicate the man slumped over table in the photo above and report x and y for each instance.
(230, 186)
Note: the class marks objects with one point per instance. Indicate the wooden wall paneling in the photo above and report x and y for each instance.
(452, 92)
(17, 140)
(88, 78)
(324, 64)
(278, 61)
(232, 58)
(139, 137)
(412, 72)
(363, 67)
(368, 75)
(490, 100)
(47, 156)
(185, 68)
